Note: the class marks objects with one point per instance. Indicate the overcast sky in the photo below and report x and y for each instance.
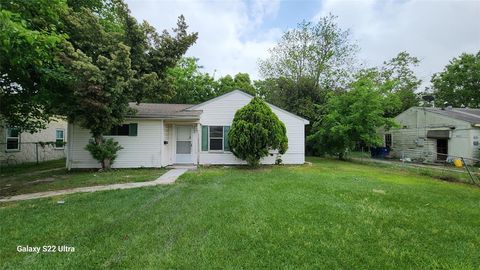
(233, 35)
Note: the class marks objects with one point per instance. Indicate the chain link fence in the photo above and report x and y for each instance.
(30, 152)
(439, 165)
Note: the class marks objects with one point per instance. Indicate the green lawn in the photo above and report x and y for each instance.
(329, 215)
(28, 179)
(7, 171)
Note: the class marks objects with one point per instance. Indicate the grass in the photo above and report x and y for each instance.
(332, 214)
(31, 179)
(7, 171)
(447, 173)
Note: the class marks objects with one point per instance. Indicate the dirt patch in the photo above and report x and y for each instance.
(44, 180)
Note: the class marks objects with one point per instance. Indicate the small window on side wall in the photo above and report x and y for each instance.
(59, 138)
(13, 139)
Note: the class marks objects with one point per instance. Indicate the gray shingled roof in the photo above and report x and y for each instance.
(161, 110)
(471, 116)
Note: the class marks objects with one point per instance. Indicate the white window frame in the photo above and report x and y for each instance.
(9, 137)
(63, 139)
(223, 138)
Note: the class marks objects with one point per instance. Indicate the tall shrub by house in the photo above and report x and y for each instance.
(256, 130)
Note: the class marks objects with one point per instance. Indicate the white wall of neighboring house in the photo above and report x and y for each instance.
(414, 125)
(29, 149)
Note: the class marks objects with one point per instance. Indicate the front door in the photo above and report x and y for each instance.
(183, 152)
(442, 149)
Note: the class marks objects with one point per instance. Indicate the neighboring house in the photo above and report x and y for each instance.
(435, 134)
(46, 144)
(164, 134)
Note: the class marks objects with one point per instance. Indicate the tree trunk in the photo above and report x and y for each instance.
(106, 164)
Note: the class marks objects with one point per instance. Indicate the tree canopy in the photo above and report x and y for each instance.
(351, 117)
(189, 84)
(86, 60)
(399, 70)
(30, 42)
(321, 51)
(458, 84)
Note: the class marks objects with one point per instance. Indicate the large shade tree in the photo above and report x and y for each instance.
(255, 131)
(103, 60)
(30, 42)
(458, 84)
(321, 51)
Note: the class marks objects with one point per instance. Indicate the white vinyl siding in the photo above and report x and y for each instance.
(220, 112)
(143, 150)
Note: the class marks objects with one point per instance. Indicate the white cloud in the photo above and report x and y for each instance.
(434, 31)
(232, 34)
(229, 41)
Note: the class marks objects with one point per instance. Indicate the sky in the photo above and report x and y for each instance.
(234, 34)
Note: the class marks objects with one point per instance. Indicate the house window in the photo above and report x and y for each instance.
(388, 140)
(59, 138)
(216, 138)
(13, 139)
(124, 130)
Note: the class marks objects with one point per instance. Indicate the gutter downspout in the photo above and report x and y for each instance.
(162, 139)
(199, 141)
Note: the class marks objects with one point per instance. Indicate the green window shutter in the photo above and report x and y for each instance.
(204, 138)
(226, 145)
(132, 129)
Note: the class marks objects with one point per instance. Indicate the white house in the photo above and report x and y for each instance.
(46, 144)
(435, 134)
(159, 135)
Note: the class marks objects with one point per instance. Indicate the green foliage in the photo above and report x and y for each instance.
(303, 97)
(320, 51)
(459, 83)
(189, 84)
(112, 68)
(400, 71)
(256, 130)
(82, 59)
(240, 81)
(351, 117)
(29, 68)
(105, 152)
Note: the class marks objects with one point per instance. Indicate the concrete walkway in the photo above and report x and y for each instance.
(167, 178)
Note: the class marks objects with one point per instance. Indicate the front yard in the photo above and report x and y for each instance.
(52, 175)
(329, 215)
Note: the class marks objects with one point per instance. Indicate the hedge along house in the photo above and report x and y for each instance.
(159, 135)
(435, 134)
